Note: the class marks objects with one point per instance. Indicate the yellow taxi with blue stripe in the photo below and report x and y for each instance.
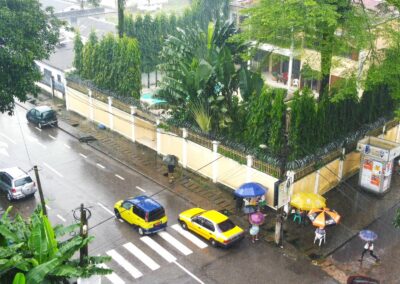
(143, 212)
(211, 225)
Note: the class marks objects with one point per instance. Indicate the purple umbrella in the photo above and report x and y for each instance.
(368, 236)
(256, 218)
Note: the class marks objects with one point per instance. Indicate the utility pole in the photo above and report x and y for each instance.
(35, 168)
(84, 234)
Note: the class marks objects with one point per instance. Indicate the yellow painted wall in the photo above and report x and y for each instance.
(100, 113)
(171, 145)
(305, 184)
(200, 159)
(351, 164)
(328, 176)
(391, 134)
(78, 102)
(122, 123)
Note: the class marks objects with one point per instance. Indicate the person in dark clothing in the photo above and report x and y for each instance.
(369, 246)
(238, 204)
(171, 170)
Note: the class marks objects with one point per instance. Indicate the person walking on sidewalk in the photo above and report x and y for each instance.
(254, 230)
(238, 204)
(369, 246)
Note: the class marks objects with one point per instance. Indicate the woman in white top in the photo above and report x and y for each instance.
(369, 246)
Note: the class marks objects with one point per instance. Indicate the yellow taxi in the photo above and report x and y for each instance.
(211, 225)
(143, 212)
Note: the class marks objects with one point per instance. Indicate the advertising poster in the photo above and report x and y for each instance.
(371, 175)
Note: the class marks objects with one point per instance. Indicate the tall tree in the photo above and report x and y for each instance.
(27, 33)
(121, 8)
(78, 53)
(328, 26)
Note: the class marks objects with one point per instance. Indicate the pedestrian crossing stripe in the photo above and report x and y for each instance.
(125, 264)
(113, 277)
(177, 244)
(158, 249)
(199, 243)
(141, 256)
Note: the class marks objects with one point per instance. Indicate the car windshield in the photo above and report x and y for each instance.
(226, 225)
(156, 214)
(48, 114)
(22, 181)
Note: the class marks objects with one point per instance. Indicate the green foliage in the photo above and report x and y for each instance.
(121, 16)
(200, 67)
(396, 221)
(202, 116)
(276, 138)
(151, 32)
(112, 64)
(78, 53)
(30, 247)
(27, 33)
(311, 23)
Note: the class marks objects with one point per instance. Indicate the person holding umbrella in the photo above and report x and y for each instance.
(255, 219)
(171, 161)
(369, 237)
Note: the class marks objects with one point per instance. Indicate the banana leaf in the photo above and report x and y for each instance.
(19, 278)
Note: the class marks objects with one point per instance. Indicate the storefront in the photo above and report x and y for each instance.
(377, 162)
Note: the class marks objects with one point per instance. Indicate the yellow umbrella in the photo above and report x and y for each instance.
(307, 201)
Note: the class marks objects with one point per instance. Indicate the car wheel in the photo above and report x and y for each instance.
(116, 212)
(183, 225)
(141, 231)
(40, 125)
(214, 243)
(9, 197)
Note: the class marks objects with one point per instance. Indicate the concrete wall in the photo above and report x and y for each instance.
(206, 162)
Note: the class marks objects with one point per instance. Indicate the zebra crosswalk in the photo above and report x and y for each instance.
(134, 259)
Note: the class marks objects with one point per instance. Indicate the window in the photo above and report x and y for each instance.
(127, 205)
(156, 214)
(59, 78)
(22, 181)
(198, 220)
(5, 179)
(48, 114)
(208, 225)
(139, 212)
(226, 225)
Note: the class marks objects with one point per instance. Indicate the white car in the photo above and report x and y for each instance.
(16, 183)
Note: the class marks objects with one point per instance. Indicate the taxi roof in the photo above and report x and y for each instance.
(146, 203)
(214, 216)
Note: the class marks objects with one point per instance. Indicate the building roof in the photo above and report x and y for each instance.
(62, 57)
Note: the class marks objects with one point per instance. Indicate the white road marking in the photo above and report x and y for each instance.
(141, 256)
(189, 273)
(52, 137)
(8, 138)
(33, 139)
(125, 264)
(84, 156)
(105, 208)
(37, 128)
(158, 249)
(113, 277)
(100, 165)
(53, 170)
(118, 176)
(61, 218)
(177, 244)
(3, 149)
(189, 236)
(141, 189)
(48, 207)
(67, 146)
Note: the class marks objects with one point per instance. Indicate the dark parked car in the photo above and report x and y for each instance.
(42, 116)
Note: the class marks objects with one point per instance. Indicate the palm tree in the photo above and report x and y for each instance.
(31, 247)
(199, 67)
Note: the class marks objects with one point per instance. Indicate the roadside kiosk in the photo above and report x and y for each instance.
(377, 161)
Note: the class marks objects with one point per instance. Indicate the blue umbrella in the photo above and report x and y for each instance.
(250, 189)
(368, 236)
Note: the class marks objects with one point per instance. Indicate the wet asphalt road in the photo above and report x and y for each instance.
(73, 173)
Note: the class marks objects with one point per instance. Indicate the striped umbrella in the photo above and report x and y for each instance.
(323, 217)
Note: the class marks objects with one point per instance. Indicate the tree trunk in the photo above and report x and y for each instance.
(156, 77)
(148, 80)
(326, 61)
